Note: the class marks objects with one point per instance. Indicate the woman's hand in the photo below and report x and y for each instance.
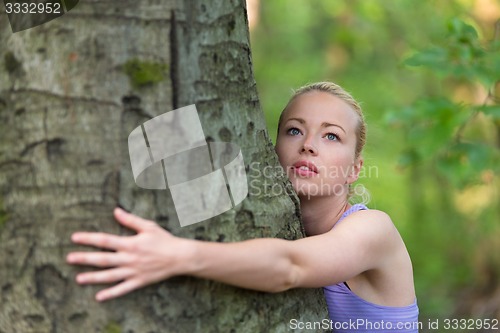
(151, 255)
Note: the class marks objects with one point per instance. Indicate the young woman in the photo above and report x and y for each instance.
(355, 253)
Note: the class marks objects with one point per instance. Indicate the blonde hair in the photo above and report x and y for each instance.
(359, 194)
(337, 91)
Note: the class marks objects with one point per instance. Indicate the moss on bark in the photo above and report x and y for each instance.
(143, 73)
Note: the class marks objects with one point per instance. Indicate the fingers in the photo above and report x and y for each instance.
(109, 241)
(110, 276)
(126, 249)
(97, 259)
(118, 290)
(99, 239)
(131, 221)
(106, 276)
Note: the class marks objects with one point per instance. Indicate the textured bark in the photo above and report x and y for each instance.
(67, 106)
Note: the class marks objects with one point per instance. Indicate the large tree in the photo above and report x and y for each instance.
(71, 91)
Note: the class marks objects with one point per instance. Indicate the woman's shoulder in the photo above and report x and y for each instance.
(373, 222)
(362, 213)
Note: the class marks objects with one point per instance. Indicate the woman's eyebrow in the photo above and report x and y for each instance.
(325, 124)
(300, 120)
(328, 125)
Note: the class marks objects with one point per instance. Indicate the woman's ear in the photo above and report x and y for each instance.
(356, 169)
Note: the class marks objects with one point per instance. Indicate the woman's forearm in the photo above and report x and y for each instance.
(259, 264)
(153, 255)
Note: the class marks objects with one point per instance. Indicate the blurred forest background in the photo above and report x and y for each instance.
(427, 74)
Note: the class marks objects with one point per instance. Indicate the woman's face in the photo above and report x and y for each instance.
(316, 144)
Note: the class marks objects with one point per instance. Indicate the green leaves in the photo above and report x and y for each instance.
(465, 163)
(433, 58)
(439, 130)
(436, 135)
(463, 32)
(429, 124)
(490, 110)
(462, 55)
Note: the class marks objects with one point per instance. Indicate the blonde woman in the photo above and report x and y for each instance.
(356, 254)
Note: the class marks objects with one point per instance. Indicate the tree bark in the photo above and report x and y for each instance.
(71, 91)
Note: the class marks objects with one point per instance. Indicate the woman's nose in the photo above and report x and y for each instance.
(309, 148)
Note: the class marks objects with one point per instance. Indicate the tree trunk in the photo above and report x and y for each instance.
(71, 91)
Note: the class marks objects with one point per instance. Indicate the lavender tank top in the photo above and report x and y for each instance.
(350, 313)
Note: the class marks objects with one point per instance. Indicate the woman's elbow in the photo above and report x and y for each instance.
(289, 280)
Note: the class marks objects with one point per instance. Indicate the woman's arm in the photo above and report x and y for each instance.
(364, 241)
(265, 264)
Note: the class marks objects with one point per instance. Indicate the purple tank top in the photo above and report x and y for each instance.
(350, 313)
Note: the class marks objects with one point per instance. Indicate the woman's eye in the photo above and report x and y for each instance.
(293, 131)
(332, 137)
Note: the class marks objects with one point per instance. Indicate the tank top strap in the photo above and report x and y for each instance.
(353, 209)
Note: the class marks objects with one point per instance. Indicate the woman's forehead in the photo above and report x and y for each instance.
(321, 107)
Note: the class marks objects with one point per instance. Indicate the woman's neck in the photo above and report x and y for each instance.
(319, 214)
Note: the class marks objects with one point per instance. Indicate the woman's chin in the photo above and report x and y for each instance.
(310, 191)
(307, 191)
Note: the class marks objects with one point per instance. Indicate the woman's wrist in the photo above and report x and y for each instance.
(190, 260)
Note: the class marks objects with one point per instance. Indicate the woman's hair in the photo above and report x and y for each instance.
(339, 92)
(359, 194)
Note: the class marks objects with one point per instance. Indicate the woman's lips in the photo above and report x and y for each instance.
(305, 169)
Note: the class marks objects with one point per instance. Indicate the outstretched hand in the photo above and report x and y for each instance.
(151, 255)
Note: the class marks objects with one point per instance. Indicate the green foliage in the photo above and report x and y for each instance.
(423, 103)
(436, 127)
(112, 327)
(490, 110)
(455, 139)
(144, 73)
(463, 55)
